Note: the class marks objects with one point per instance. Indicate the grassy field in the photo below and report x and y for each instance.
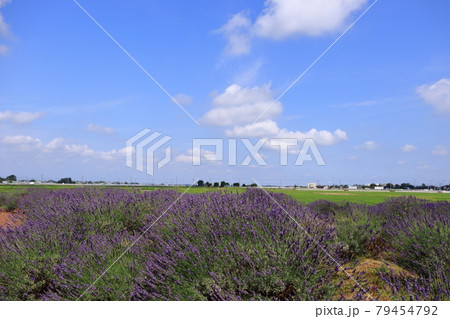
(302, 195)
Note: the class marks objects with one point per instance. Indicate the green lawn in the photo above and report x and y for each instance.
(365, 197)
(307, 196)
(303, 195)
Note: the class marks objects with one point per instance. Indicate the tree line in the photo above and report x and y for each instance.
(202, 183)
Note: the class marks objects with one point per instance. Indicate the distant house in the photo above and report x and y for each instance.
(379, 188)
(353, 187)
(312, 185)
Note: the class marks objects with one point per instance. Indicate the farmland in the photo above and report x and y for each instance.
(229, 245)
(301, 195)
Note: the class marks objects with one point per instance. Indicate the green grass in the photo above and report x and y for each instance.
(302, 195)
(362, 197)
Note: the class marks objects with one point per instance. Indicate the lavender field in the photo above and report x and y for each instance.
(222, 246)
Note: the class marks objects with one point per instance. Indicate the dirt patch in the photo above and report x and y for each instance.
(10, 219)
(368, 270)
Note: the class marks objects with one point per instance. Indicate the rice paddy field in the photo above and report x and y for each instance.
(113, 243)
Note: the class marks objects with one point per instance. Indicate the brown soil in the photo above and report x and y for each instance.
(369, 270)
(10, 219)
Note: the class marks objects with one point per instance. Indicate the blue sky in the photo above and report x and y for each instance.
(377, 104)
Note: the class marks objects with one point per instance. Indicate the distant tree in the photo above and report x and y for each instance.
(254, 185)
(224, 184)
(243, 185)
(372, 186)
(66, 180)
(236, 184)
(389, 185)
(208, 184)
(216, 184)
(11, 178)
(406, 186)
(200, 183)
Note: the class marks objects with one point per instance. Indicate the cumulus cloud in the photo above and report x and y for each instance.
(20, 117)
(437, 95)
(238, 105)
(401, 162)
(84, 151)
(270, 129)
(368, 146)
(237, 33)
(22, 142)
(408, 148)
(281, 19)
(99, 129)
(284, 18)
(57, 147)
(54, 144)
(440, 150)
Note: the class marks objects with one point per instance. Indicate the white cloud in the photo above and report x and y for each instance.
(20, 139)
(236, 31)
(54, 144)
(368, 146)
(188, 156)
(20, 117)
(57, 147)
(99, 129)
(267, 128)
(408, 148)
(437, 95)
(401, 162)
(183, 99)
(84, 151)
(440, 150)
(4, 28)
(270, 129)
(4, 49)
(284, 18)
(238, 105)
(22, 142)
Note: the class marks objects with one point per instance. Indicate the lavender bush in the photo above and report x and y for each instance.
(419, 234)
(209, 246)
